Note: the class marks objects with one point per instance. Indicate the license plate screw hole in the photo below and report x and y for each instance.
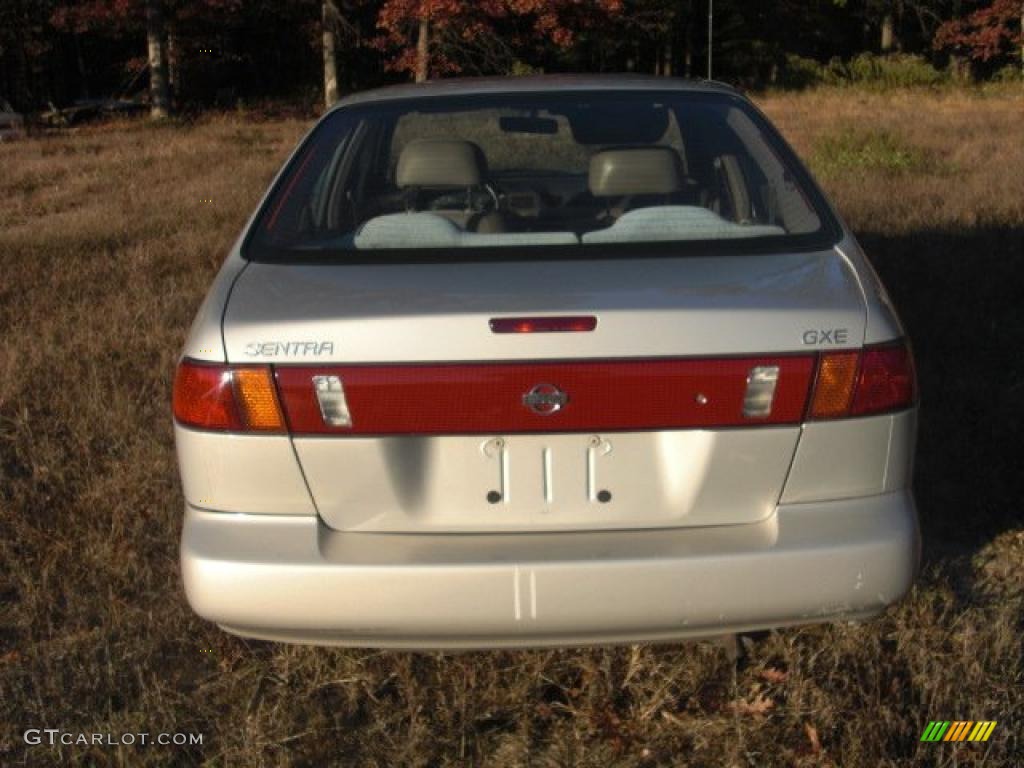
(604, 496)
(493, 497)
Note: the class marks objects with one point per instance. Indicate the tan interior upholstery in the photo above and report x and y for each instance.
(635, 171)
(734, 185)
(440, 163)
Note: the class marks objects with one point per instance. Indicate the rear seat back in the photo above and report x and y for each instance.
(627, 178)
(447, 164)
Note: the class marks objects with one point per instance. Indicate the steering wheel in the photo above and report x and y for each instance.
(481, 199)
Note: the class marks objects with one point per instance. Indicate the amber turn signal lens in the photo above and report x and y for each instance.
(833, 391)
(257, 399)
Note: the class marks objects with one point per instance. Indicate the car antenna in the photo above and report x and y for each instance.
(711, 4)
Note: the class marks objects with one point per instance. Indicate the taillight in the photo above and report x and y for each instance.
(886, 381)
(226, 398)
(257, 399)
(833, 388)
(605, 395)
(545, 396)
(875, 380)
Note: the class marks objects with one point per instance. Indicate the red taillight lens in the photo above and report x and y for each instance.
(886, 381)
(506, 398)
(204, 397)
(875, 380)
(218, 397)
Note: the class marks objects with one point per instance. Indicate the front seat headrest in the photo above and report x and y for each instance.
(440, 163)
(635, 171)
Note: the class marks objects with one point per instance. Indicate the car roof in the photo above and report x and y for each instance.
(467, 86)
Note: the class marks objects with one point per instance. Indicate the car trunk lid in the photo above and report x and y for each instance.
(449, 429)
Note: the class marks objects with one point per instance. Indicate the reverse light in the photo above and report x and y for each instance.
(330, 394)
(226, 398)
(761, 381)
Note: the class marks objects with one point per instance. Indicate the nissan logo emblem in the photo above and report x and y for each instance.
(545, 399)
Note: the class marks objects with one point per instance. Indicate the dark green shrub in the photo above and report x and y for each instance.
(798, 72)
(897, 70)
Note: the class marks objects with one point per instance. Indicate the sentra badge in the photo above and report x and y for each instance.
(289, 348)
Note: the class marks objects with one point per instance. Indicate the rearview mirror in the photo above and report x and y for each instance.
(619, 124)
(544, 125)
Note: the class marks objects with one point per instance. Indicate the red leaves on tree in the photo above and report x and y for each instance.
(116, 16)
(986, 33)
(460, 29)
(96, 14)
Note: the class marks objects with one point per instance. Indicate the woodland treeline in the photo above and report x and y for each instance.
(187, 54)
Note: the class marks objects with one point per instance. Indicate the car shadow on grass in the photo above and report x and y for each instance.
(961, 297)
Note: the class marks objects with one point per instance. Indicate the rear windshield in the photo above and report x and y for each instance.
(539, 173)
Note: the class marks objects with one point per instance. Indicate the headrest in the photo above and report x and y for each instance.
(440, 163)
(635, 171)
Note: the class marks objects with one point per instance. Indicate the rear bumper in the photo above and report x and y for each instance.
(293, 579)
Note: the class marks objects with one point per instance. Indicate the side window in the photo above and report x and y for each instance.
(335, 197)
(782, 200)
(369, 190)
(318, 216)
(674, 138)
(315, 215)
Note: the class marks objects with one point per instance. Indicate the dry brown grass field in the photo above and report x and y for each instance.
(109, 236)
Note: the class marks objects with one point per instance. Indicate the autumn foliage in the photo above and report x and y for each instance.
(127, 15)
(486, 31)
(223, 52)
(987, 32)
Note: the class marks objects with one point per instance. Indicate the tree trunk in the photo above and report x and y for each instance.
(83, 75)
(711, 36)
(173, 67)
(666, 62)
(896, 36)
(423, 52)
(329, 13)
(633, 62)
(888, 31)
(688, 50)
(159, 103)
(26, 91)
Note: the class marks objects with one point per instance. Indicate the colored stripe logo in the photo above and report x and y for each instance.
(958, 730)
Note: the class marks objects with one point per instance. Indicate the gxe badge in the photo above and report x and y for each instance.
(545, 399)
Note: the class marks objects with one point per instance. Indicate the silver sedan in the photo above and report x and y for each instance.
(538, 362)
